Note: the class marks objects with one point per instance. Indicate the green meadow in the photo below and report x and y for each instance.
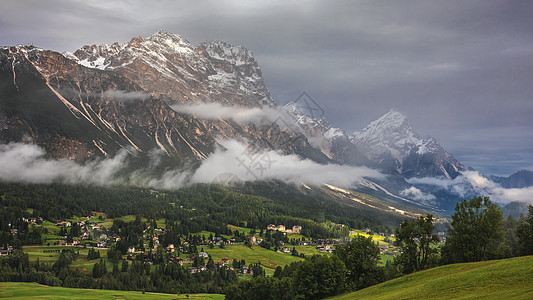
(497, 279)
(19, 290)
(268, 258)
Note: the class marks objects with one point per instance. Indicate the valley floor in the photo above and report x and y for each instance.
(498, 279)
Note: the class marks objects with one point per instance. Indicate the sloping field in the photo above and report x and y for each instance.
(498, 279)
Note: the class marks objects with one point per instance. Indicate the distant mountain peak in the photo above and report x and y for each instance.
(391, 140)
(391, 120)
(520, 179)
(393, 129)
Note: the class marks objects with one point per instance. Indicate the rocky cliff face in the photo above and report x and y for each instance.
(333, 142)
(102, 98)
(54, 98)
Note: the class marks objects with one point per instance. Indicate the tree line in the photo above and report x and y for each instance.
(192, 209)
(136, 276)
(477, 232)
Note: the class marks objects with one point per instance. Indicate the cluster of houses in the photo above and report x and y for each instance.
(255, 240)
(88, 229)
(322, 245)
(8, 249)
(33, 220)
(386, 250)
(224, 262)
(295, 229)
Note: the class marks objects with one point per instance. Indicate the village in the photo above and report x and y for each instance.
(198, 252)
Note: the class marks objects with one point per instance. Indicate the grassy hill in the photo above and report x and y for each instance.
(19, 290)
(498, 279)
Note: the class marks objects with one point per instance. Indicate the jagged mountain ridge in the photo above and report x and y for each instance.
(97, 123)
(173, 67)
(389, 143)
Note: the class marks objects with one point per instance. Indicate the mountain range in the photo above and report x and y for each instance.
(103, 98)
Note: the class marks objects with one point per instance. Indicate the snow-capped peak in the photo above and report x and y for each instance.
(216, 66)
(391, 133)
(393, 128)
(391, 122)
(392, 136)
(170, 40)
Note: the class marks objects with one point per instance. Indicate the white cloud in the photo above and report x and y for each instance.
(497, 192)
(240, 114)
(472, 182)
(124, 96)
(27, 163)
(416, 194)
(234, 157)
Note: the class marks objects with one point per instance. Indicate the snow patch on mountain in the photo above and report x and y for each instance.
(391, 133)
(220, 50)
(313, 126)
(217, 67)
(334, 133)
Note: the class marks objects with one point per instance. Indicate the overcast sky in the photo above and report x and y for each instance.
(462, 71)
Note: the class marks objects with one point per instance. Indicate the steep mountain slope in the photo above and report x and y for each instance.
(119, 95)
(330, 140)
(55, 99)
(391, 142)
(391, 145)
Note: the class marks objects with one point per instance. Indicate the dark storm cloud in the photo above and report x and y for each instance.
(460, 70)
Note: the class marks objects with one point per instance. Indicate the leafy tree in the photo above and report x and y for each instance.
(418, 244)
(99, 269)
(524, 233)
(65, 259)
(261, 288)
(476, 226)
(75, 230)
(210, 264)
(113, 255)
(124, 267)
(360, 256)
(319, 277)
(93, 254)
(257, 270)
(278, 271)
